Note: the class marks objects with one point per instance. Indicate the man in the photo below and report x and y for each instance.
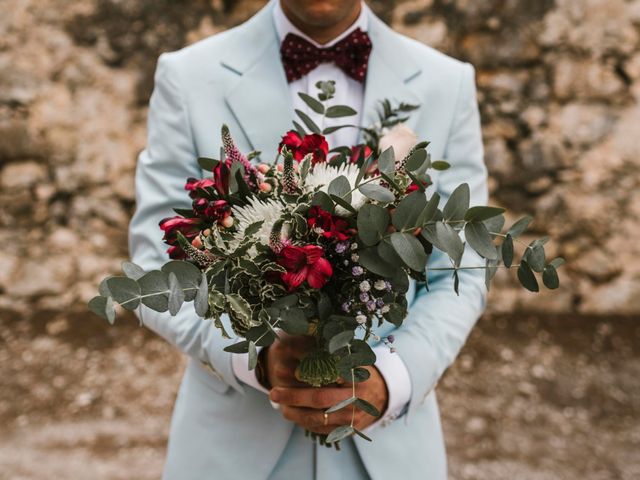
(224, 425)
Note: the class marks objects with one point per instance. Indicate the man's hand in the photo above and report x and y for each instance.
(282, 358)
(306, 405)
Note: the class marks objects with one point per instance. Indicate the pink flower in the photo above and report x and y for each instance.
(189, 227)
(305, 263)
(194, 184)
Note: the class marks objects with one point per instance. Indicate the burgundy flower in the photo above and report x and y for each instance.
(194, 184)
(301, 146)
(213, 210)
(358, 150)
(332, 226)
(189, 227)
(305, 263)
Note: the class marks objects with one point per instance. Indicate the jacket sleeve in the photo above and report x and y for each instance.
(162, 169)
(439, 321)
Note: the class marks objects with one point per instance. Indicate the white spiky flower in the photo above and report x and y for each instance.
(322, 175)
(257, 210)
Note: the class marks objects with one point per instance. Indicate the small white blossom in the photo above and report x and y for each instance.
(385, 309)
(365, 286)
(361, 319)
(379, 285)
(355, 257)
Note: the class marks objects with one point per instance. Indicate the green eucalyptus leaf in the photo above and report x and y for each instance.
(201, 301)
(188, 276)
(480, 214)
(362, 435)
(337, 111)
(340, 340)
(409, 209)
(125, 291)
(176, 294)
(372, 223)
(557, 262)
(550, 277)
(440, 165)
(343, 203)
(238, 347)
(253, 356)
(416, 160)
(520, 226)
(371, 260)
(340, 433)
(478, 238)
(310, 124)
(154, 287)
(323, 200)
(294, 321)
(458, 203)
(410, 250)
(103, 289)
(495, 225)
(527, 278)
(340, 187)
(387, 161)
(103, 307)
(132, 270)
(449, 241)
(535, 256)
(367, 407)
(377, 192)
(507, 251)
(208, 163)
(312, 103)
(341, 405)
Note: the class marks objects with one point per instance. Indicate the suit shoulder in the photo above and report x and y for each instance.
(202, 52)
(429, 57)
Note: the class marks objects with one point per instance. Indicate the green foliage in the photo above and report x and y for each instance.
(377, 192)
(372, 223)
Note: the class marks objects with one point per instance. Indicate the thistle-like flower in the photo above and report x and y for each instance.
(289, 175)
(233, 153)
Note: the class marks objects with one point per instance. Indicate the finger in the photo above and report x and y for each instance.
(323, 397)
(284, 374)
(312, 418)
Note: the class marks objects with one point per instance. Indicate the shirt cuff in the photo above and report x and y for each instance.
(240, 367)
(396, 376)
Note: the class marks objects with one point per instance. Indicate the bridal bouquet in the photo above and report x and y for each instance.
(319, 242)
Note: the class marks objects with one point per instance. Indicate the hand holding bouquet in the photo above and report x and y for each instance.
(319, 242)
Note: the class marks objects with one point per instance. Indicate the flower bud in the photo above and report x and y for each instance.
(263, 168)
(227, 222)
(197, 243)
(265, 187)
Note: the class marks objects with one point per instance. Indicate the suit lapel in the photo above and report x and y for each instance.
(260, 99)
(389, 74)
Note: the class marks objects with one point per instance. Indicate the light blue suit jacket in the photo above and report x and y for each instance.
(220, 428)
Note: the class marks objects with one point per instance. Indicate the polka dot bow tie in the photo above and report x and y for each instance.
(351, 54)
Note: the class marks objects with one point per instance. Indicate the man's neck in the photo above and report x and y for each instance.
(323, 34)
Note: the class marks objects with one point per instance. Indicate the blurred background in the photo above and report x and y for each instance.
(548, 386)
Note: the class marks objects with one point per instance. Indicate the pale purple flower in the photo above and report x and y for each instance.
(364, 297)
(380, 302)
(371, 305)
(390, 338)
(357, 271)
(341, 247)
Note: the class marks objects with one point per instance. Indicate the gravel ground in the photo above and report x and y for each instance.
(540, 398)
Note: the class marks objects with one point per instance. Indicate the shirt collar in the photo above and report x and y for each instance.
(284, 26)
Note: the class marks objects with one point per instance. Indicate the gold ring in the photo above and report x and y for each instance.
(326, 419)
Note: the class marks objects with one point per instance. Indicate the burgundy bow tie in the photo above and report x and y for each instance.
(351, 54)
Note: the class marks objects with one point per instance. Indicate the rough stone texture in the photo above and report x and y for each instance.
(558, 85)
(558, 89)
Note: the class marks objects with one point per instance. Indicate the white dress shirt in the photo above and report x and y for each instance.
(348, 92)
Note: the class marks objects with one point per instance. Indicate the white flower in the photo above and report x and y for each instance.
(323, 174)
(361, 319)
(379, 285)
(256, 210)
(401, 138)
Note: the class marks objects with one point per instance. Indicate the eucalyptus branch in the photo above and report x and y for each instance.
(166, 292)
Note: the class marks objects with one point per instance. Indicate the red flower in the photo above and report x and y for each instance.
(414, 186)
(304, 263)
(213, 210)
(301, 146)
(193, 185)
(332, 226)
(358, 150)
(189, 227)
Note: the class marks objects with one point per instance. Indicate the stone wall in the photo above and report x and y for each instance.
(558, 88)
